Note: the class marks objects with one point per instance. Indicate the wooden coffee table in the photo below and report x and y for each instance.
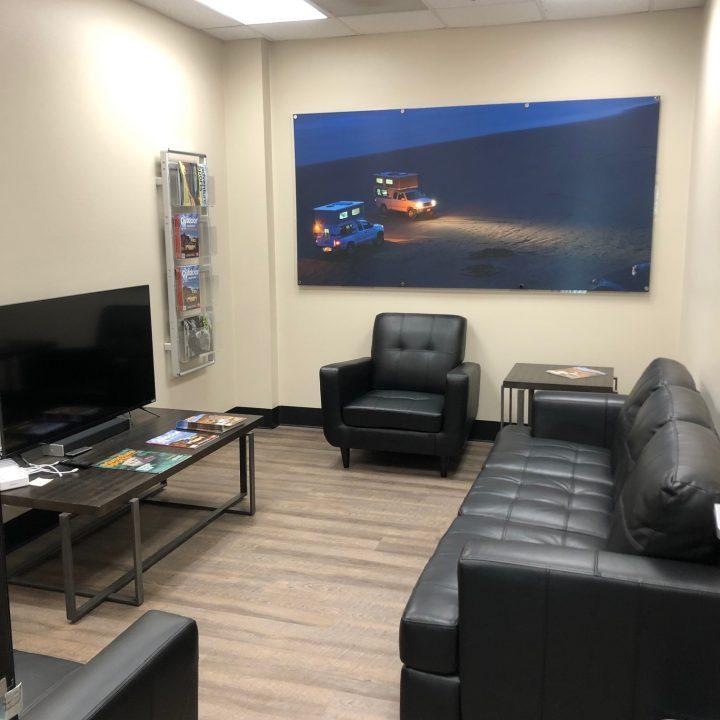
(99, 496)
(532, 377)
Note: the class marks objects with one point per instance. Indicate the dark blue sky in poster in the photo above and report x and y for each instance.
(324, 137)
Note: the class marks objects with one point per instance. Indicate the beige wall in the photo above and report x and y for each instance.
(700, 340)
(96, 89)
(90, 92)
(650, 54)
(249, 165)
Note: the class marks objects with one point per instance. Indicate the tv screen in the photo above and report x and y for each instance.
(69, 363)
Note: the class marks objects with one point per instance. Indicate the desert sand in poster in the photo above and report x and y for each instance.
(566, 204)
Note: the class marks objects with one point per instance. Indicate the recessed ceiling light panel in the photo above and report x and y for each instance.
(257, 12)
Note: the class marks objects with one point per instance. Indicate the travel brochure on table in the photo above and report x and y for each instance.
(142, 461)
(182, 439)
(576, 372)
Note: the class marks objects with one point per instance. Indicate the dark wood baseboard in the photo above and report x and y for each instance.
(270, 416)
(312, 417)
(485, 430)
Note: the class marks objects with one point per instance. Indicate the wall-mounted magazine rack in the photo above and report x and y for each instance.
(187, 197)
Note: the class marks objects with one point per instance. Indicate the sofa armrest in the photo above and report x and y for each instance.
(462, 395)
(581, 417)
(150, 672)
(560, 633)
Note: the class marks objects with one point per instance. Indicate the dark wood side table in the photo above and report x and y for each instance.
(532, 377)
(99, 496)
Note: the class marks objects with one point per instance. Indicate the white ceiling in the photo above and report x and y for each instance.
(369, 17)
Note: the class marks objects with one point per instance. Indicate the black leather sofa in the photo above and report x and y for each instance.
(150, 672)
(414, 394)
(579, 580)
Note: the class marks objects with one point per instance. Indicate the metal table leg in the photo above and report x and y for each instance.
(531, 402)
(72, 611)
(137, 551)
(521, 406)
(243, 464)
(502, 406)
(68, 566)
(251, 489)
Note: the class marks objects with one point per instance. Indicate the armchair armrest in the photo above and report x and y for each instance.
(150, 672)
(581, 417)
(339, 384)
(462, 394)
(559, 633)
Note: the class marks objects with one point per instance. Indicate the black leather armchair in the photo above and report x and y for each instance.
(414, 394)
(150, 672)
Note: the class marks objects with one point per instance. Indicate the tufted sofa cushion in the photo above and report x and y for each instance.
(532, 490)
(416, 351)
(547, 491)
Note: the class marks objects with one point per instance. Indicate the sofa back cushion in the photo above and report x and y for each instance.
(659, 373)
(416, 352)
(668, 402)
(665, 508)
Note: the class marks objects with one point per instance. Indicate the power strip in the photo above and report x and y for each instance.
(13, 476)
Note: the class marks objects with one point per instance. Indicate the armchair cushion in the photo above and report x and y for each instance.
(396, 409)
(416, 352)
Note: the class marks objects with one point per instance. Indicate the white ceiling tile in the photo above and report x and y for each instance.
(393, 22)
(505, 13)
(233, 32)
(304, 29)
(442, 4)
(674, 4)
(566, 9)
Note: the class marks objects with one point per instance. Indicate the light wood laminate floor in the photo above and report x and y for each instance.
(299, 606)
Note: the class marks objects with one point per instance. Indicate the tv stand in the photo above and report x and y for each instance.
(87, 437)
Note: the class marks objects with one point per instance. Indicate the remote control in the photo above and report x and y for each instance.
(78, 451)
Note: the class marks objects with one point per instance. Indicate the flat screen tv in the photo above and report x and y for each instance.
(73, 362)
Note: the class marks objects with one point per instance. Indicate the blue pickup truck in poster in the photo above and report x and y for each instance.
(341, 227)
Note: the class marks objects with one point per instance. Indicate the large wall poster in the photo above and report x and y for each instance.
(546, 196)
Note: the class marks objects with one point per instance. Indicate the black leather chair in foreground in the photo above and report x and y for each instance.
(580, 578)
(414, 394)
(150, 672)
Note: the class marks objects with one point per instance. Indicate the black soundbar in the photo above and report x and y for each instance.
(87, 437)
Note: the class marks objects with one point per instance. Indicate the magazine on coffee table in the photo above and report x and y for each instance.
(577, 372)
(205, 422)
(182, 439)
(141, 461)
